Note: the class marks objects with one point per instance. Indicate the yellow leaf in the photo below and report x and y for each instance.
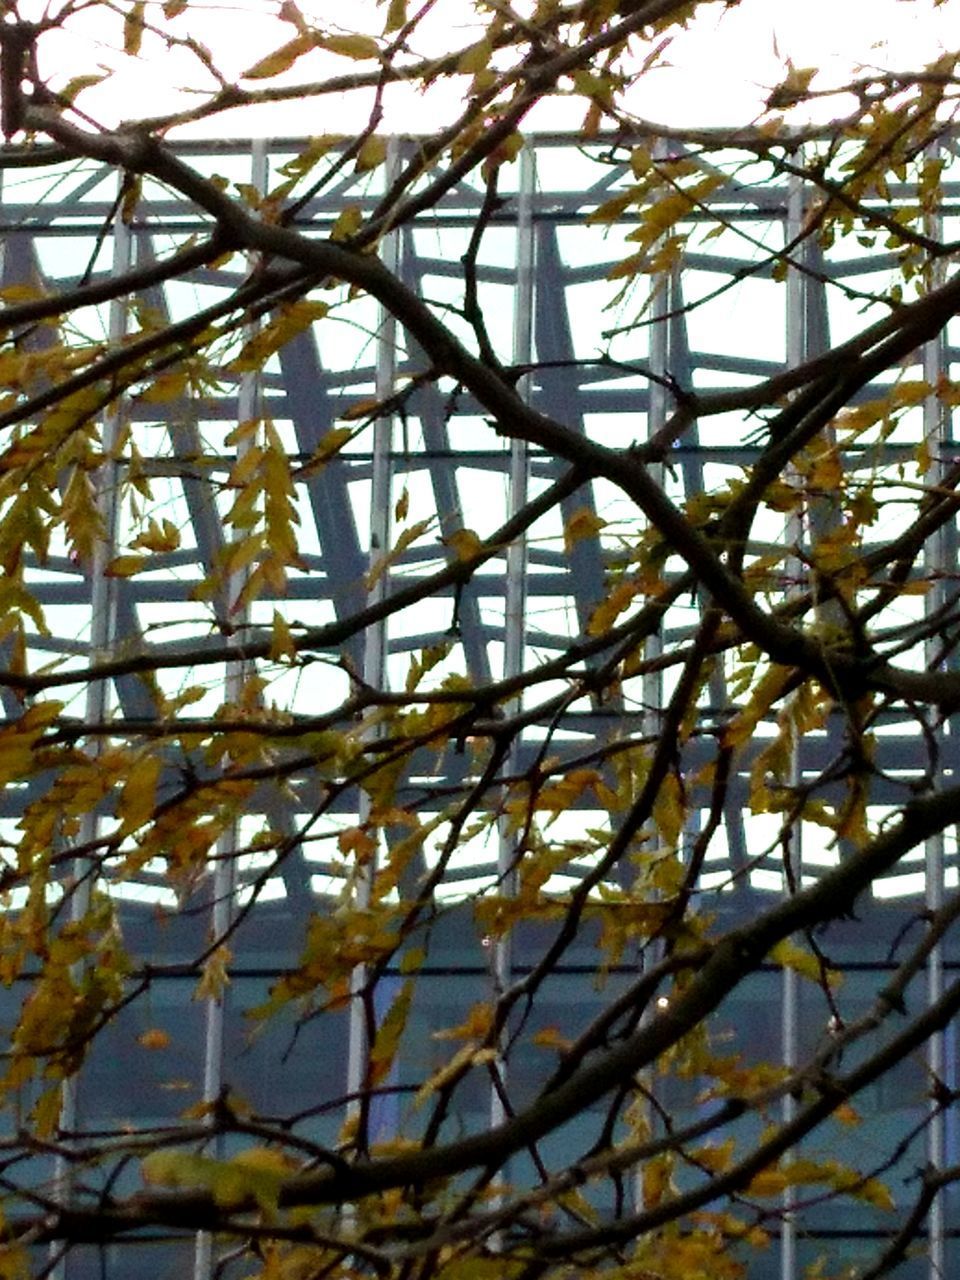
(716, 1159)
(348, 222)
(126, 566)
(81, 515)
(351, 46)
(476, 57)
(791, 956)
(826, 472)
(282, 59)
(396, 16)
(215, 977)
(133, 29)
(584, 523)
(412, 960)
(910, 391)
(876, 1193)
(229, 1183)
(156, 537)
(846, 1114)
(257, 1173)
(641, 161)
(174, 8)
(948, 391)
(655, 1181)
(168, 386)
(373, 152)
(551, 1038)
(428, 658)
(367, 408)
(266, 1159)
(507, 151)
(358, 842)
(282, 647)
(245, 430)
(331, 444)
(610, 608)
(769, 1182)
(613, 209)
(474, 1027)
(249, 194)
(154, 1038)
(384, 1048)
(14, 1263)
(464, 542)
(169, 1169)
(792, 89)
(467, 1055)
(73, 88)
(38, 717)
(767, 691)
(45, 1114)
(408, 536)
(20, 293)
(139, 796)
(481, 82)
(313, 152)
(668, 810)
(288, 321)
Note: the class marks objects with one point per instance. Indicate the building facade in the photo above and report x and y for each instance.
(719, 317)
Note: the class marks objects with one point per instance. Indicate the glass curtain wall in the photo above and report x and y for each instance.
(543, 283)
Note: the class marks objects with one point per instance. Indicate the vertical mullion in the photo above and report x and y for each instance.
(658, 409)
(796, 302)
(103, 614)
(934, 562)
(662, 298)
(224, 877)
(515, 588)
(375, 636)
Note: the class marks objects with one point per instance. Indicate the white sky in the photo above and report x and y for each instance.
(721, 72)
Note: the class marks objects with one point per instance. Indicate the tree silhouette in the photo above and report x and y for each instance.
(479, 783)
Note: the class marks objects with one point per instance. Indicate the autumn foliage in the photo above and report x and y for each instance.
(584, 832)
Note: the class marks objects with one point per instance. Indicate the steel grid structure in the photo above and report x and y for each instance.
(721, 320)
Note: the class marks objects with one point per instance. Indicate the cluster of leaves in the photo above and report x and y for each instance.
(231, 770)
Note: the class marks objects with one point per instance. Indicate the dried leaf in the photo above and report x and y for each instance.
(133, 29)
(347, 223)
(584, 523)
(126, 566)
(372, 153)
(214, 979)
(465, 543)
(396, 16)
(282, 59)
(354, 46)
